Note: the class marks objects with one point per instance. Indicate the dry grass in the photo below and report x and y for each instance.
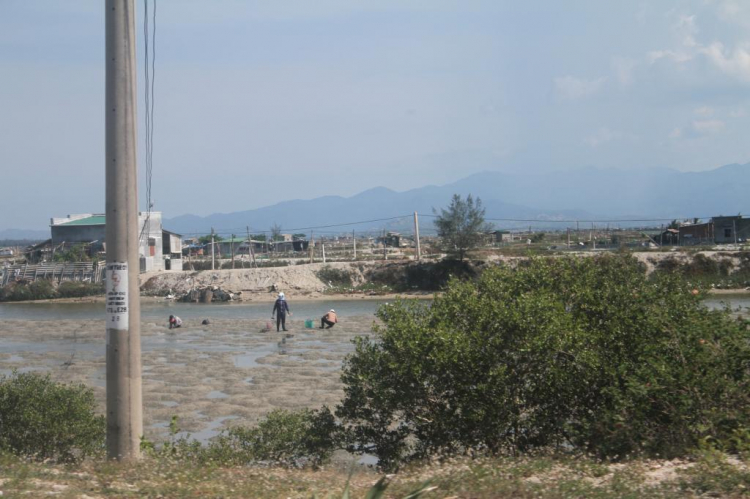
(540, 477)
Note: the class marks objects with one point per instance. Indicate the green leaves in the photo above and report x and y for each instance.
(461, 226)
(584, 353)
(42, 419)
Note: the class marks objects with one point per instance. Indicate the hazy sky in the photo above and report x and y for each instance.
(264, 101)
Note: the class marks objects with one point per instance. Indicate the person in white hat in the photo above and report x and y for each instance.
(280, 308)
(329, 319)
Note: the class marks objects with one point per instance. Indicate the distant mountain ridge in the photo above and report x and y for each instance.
(24, 235)
(584, 194)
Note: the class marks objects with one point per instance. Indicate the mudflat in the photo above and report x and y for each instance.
(230, 372)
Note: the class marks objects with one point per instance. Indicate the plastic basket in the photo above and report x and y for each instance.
(309, 324)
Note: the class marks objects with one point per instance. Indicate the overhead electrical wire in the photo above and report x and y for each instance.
(149, 73)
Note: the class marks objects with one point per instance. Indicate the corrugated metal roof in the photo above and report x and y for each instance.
(95, 220)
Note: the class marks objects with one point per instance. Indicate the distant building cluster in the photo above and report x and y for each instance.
(719, 230)
(159, 249)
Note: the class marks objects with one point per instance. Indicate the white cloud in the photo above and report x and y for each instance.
(738, 113)
(736, 63)
(572, 88)
(698, 128)
(676, 56)
(686, 29)
(732, 11)
(704, 111)
(602, 136)
(708, 127)
(623, 68)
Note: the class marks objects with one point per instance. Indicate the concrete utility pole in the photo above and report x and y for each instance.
(323, 246)
(416, 235)
(312, 247)
(123, 307)
(250, 243)
(213, 259)
(354, 240)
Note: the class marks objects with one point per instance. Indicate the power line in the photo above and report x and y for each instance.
(149, 75)
(614, 220)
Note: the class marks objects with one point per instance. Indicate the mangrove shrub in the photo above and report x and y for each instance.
(581, 354)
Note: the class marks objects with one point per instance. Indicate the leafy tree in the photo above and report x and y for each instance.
(299, 237)
(586, 354)
(460, 227)
(77, 253)
(674, 224)
(276, 232)
(537, 237)
(207, 239)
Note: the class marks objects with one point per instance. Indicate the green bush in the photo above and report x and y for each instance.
(290, 438)
(41, 419)
(21, 291)
(287, 438)
(334, 276)
(425, 276)
(76, 289)
(585, 354)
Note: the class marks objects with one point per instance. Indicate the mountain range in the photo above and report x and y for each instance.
(584, 194)
(513, 200)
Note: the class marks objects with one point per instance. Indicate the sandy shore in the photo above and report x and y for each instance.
(225, 373)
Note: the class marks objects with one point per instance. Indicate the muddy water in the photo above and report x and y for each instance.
(226, 373)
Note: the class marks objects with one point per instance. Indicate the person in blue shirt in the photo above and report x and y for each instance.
(280, 309)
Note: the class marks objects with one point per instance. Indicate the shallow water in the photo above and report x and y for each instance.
(230, 372)
(161, 310)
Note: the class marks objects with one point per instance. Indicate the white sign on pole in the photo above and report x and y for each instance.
(117, 295)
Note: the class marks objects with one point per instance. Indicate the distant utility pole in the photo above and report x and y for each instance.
(416, 235)
(354, 240)
(323, 246)
(123, 308)
(231, 246)
(250, 246)
(568, 230)
(213, 259)
(385, 248)
(312, 247)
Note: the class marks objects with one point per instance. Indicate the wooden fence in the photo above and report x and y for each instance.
(68, 271)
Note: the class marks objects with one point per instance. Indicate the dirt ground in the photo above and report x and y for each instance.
(227, 373)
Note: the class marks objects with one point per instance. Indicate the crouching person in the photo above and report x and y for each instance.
(328, 320)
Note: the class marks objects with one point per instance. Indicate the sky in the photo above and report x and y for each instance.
(258, 102)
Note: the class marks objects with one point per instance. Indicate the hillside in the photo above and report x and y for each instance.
(583, 194)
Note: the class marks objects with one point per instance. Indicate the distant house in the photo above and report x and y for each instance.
(501, 236)
(733, 229)
(227, 247)
(696, 233)
(171, 245)
(89, 229)
(669, 237)
(392, 240)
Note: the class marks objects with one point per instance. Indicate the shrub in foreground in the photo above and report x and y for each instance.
(304, 437)
(585, 354)
(42, 419)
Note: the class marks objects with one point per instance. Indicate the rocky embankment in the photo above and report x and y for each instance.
(245, 284)
(309, 280)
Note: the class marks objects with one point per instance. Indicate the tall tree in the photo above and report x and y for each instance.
(460, 227)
